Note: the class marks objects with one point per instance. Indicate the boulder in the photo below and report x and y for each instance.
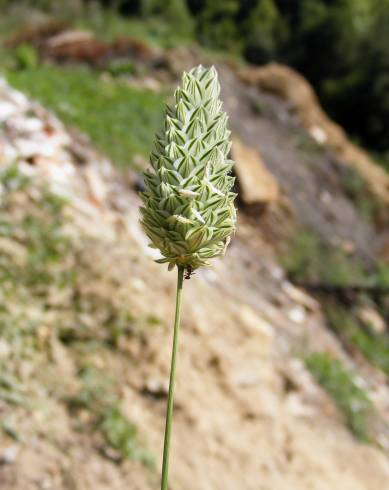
(256, 184)
(79, 46)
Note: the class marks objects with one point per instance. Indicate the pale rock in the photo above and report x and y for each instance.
(359, 381)
(299, 296)
(297, 314)
(255, 324)
(23, 124)
(5, 349)
(326, 197)
(9, 454)
(17, 98)
(138, 284)
(62, 173)
(296, 371)
(383, 441)
(7, 109)
(277, 272)
(372, 318)
(318, 134)
(69, 37)
(28, 148)
(148, 83)
(257, 184)
(209, 274)
(157, 386)
(247, 379)
(8, 153)
(96, 184)
(296, 406)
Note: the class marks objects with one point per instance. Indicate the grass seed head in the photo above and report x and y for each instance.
(188, 211)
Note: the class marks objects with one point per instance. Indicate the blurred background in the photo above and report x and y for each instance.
(284, 356)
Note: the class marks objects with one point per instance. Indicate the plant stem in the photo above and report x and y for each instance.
(169, 410)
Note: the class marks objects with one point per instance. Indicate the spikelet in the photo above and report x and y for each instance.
(189, 212)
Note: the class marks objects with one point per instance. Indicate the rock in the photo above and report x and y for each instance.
(318, 134)
(246, 379)
(299, 379)
(372, 319)
(297, 314)
(134, 48)
(299, 296)
(257, 185)
(7, 109)
(78, 46)
(9, 455)
(297, 407)
(255, 324)
(148, 83)
(23, 124)
(69, 37)
(5, 349)
(96, 185)
(156, 388)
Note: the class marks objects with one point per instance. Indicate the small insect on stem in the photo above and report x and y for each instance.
(189, 272)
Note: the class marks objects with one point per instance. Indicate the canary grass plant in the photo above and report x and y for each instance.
(188, 211)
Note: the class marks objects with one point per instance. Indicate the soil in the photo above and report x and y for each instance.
(248, 415)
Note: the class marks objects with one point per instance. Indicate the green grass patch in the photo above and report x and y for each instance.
(368, 206)
(120, 120)
(351, 400)
(122, 436)
(98, 395)
(34, 247)
(37, 241)
(374, 346)
(310, 259)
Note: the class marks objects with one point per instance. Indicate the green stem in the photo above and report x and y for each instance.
(169, 411)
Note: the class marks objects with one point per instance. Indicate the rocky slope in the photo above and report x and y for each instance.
(248, 413)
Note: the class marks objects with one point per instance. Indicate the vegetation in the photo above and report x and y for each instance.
(374, 346)
(351, 400)
(98, 396)
(164, 26)
(34, 248)
(35, 243)
(75, 93)
(355, 187)
(340, 46)
(310, 259)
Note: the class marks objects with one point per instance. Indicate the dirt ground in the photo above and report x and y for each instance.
(248, 415)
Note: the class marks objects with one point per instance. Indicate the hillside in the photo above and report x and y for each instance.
(283, 363)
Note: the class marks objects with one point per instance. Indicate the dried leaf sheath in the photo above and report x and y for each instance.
(189, 211)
